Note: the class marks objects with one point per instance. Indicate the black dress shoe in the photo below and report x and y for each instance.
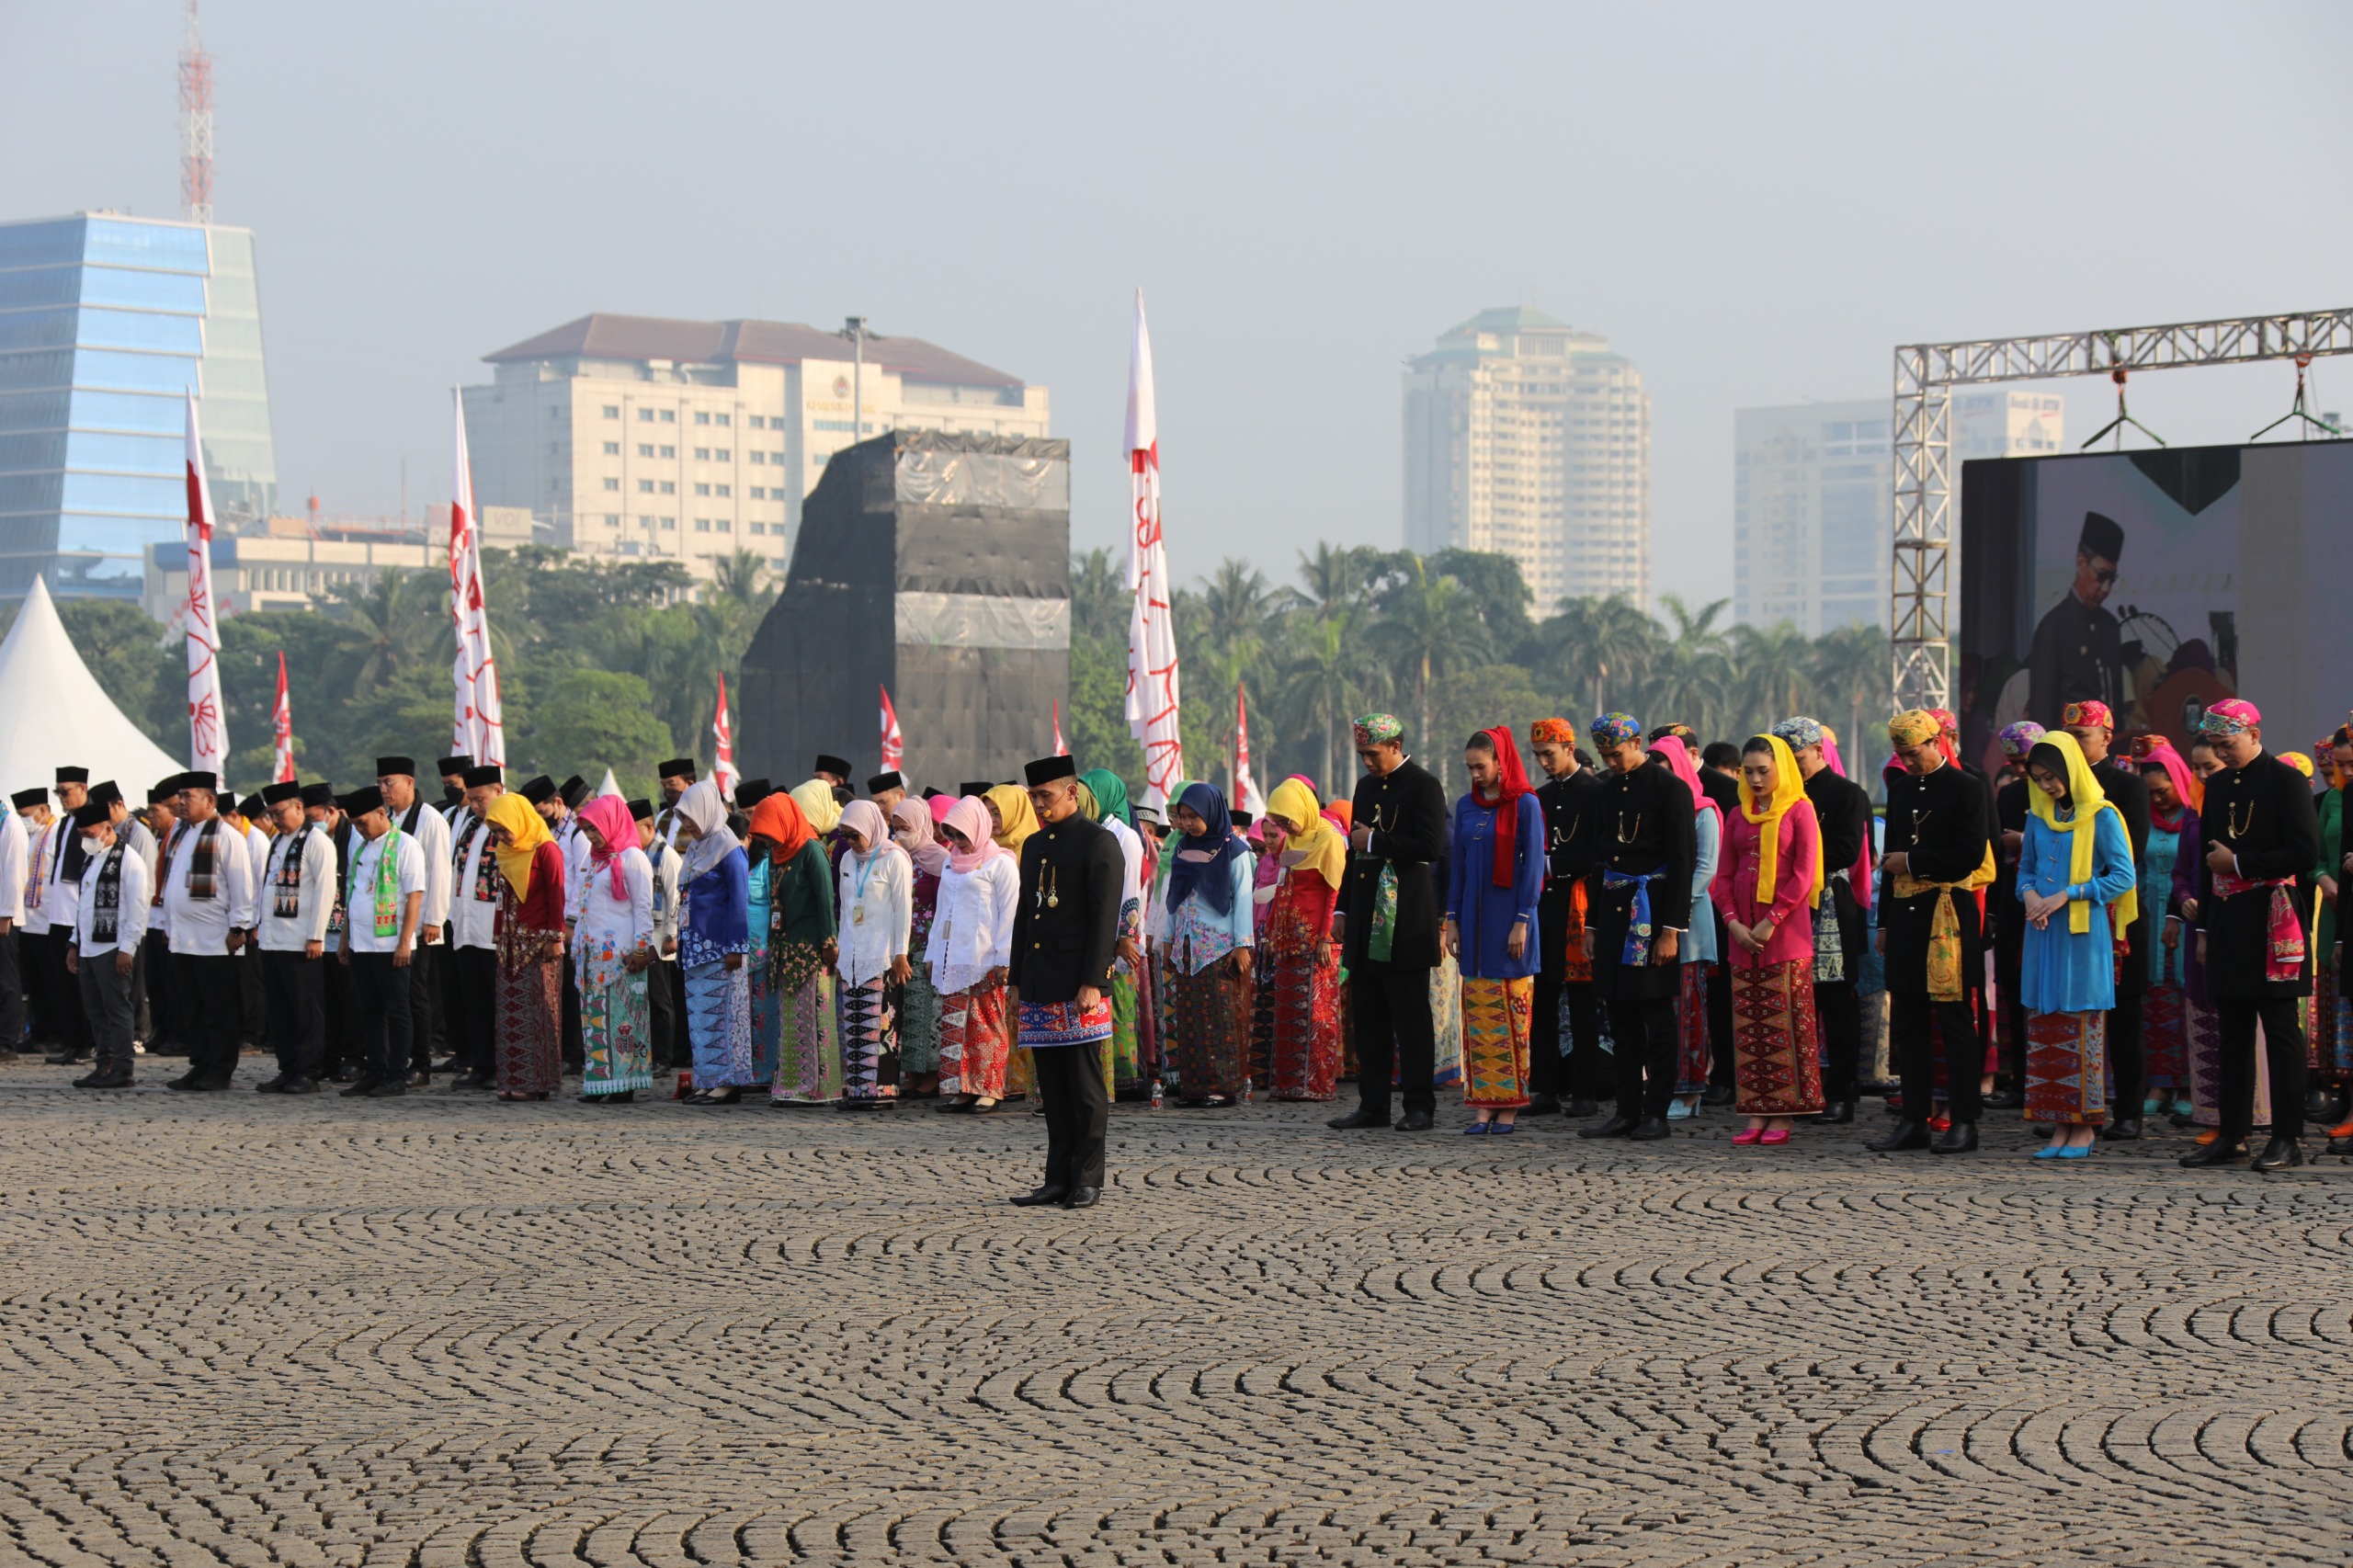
(1413, 1121)
(187, 1082)
(2122, 1129)
(1838, 1113)
(276, 1085)
(1542, 1105)
(2280, 1154)
(1039, 1199)
(361, 1086)
(2220, 1152)
(120, 1080)
(2180, 1120)
(2006, 1099)
(388, 1089)
(1581, 1107)
(2341, 1147)
(1961, 1138)
(1359, 1118)
(348, 1075)
(1649, 1129)
(1617, 1126)
(1908, 1135)
(296, 1083)
(1083, 1198)
(1719, 1094)
(471, 1081)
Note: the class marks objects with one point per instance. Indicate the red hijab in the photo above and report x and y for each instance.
(1510, 787)
(779, 819)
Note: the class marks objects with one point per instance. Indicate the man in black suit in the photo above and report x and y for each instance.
(1389, 927)
(1843, 810)
(2255, 887)
(1565, 983)
(2094, 728)
(1066, 934)
(1638, 885)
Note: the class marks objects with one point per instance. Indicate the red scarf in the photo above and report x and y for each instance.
(1512, 785)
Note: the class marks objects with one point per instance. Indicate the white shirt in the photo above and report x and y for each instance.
(599, 918)
(474, 922)
(575, 844)
(314, 900)
(200, 927)
(409, 875)
(61, 895)
(257, 845)
(431, 836)
(16, 846)
(667, 867)
(972, 925)
(881, 891)
(32, 882)
(130, 913)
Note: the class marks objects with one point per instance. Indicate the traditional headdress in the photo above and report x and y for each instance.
(1552, 733)
(1377, 729)
(1913, 727)
(1799, 731)
(2231, 716)
(2019, 738)
(1616, 728)
(2089, 714)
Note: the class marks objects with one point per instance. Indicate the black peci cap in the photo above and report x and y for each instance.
(161, 793)
(540, 791)
(974, 786)
(486, 774)
(1046, 769)
(319, 794)
(390, 766)
(73, 776)
(932, 794)
(640, 810)
(751, 792)
(574, 790)
(678, 767)
(833, 765)
(200, 780)
(450, 766)
(106, 793)
(881, 781)
(25, 798)
(279, 793)
(2102, 536)
(90, 814)
(360, 801)
(250, 807)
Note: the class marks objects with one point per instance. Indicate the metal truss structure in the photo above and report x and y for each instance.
(1925, 374)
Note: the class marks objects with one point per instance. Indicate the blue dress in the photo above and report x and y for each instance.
(1484, 914)
(2062, 969)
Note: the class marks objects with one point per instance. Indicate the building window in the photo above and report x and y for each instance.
(612, 484)
(702, 525)
(668, 488)
(612, 448)
(777, 458)
(669, 417)
(669, 522)
(759, 494)
(645, 416)
(612, 519)
(645, 487)
(629, 547)
(726, 525)
(612, 411)
(723, 454)
(646, 523)
(726, 490)
(645, 448)
(669, 451)
(759, 456)
(759, 528)
(702, 454)
(702, 489)
(720, 418)
(701, 417)
(759, 422)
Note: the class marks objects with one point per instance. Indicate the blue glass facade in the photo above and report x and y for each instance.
(103, 321)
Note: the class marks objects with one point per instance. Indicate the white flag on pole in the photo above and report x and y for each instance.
(1152, 630)
(208, 727)
(476, 725)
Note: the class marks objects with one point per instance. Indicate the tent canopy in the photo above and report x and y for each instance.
(54, 714)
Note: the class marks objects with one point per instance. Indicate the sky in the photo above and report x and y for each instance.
(1755, 204)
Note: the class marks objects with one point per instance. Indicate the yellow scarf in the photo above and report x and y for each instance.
(1012, 804)
(816, 799)
(1313, 843)
(1788, 789)
(2090, 800)
(527, 829)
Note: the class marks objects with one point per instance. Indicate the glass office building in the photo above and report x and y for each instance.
(104, 320)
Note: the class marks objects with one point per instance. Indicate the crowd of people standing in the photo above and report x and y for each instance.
(1636, 932)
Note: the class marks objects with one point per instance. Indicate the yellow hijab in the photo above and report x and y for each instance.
(2089, 800)
(816, 802)
(1788, 789)
(523, 823)
(1313, 843)
(1012, 804)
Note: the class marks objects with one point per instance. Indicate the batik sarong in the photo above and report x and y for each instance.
(2205, 1071)
(2165, 1031)
(1777, 1070)
(1209, 1028)
(869, 1035)
(1307, 1032)
(719, 1025)
(760, 965)
(1127, 1056)
(528, 1000)
(1495, 1015)
(1065, 1023)
(1696, 1050)
(616, 1036)
(918, 1023)
(2067, 1065)
(1445, 1022)
(974, 1041)
(808, 1058)
(1829, 950)
(1262, 1017)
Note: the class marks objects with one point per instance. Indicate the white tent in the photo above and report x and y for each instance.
(53, 714)
(611, 785)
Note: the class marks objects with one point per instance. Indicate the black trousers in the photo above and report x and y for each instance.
(33, 970)
(1914, 1022)
(212, 1012)
(576, 1055)
(294, 993)
(1840, 1011)
(1547, 1069)
(1720, 1042)
(342, 1051)
(2009, 952)
(423, 961)
(471, 992)
(65, 991)
(253, 1013)
(382, 1022)
(1591, 1073)
(1078, 1113)
(106, 1002)
(12, 996)
(2128, 1056)
(1391, 1004)
(666, 1002)
(167, 1016)
(1650, 1047)
(2283, 1046)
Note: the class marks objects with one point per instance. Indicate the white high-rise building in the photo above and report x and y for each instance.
(1529, 438)
(1814, 499)
(640, 438)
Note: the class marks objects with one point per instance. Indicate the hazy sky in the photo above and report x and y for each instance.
(1754, 202)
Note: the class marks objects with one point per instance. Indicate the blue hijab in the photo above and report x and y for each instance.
(1200, 864)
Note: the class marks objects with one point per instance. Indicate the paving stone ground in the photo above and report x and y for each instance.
(437, 1331)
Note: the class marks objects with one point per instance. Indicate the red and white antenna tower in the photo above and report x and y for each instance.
(195, 126)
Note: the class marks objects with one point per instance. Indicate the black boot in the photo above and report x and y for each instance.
(1908, 1135)
(2122, 1129)
(1961, 1138)
(2280, 1154)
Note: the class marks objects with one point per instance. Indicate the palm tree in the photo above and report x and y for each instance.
(1329, 680)
(402, 619)
(1694, 675)
(1851, 673)
(1433, 624)
(1098, 595)
(1234, 612)
(1337, 576)
(1776, 668)
(1608, 643)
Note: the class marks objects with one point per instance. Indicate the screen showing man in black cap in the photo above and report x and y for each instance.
(2078, 652)
(109, 924)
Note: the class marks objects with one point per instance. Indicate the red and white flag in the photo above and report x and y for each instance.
(1246, 789)
(207, 726)
(282, 770)
(1062, 746)
(895, 744)
(723, 737)
(1152, 629)
(476, 724)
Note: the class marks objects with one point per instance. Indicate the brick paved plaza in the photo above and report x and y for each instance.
(437, 1331)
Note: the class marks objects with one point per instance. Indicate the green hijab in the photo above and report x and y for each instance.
(1110, 792)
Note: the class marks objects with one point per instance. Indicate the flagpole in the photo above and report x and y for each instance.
(1151, 697)
(207, 724)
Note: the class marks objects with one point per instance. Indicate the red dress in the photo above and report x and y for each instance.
(1306, 1039)
(527, 999)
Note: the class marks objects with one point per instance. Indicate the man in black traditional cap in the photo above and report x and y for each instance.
(834, 770)
(110, 921)
(383, 912)
(1065, 935)
(425, 827)
(16, 858)
(294, 904)
(472, 936)
(886, 790)
(2078, 652)
(58, 857)
(206, 876)
(671, 1046)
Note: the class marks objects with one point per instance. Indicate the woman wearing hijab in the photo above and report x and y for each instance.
(1768, 882)
(877, 898)
(911, 826)
(972, 943)
(2076, 864)
(1015, 818)
(2173, 796)
(1206, 955)
(1497, 875)
(1103, 798)
(801, 950)
(716, 882)
(1698, 950)
(1297, 969)
(529, 934)
(612, 948)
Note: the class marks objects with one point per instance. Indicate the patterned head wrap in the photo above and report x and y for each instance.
(1378, 729)
(1914, 726)
(2231, 716)
(1616, 728)
(1552, 733)
(2018, 738)
(1801, 731)
(2090, 714)
(2298, 761)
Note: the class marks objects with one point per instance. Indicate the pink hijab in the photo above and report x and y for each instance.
(940, 806)
(608, 815)
(914, 819)
(1678, 759)
(970, 817)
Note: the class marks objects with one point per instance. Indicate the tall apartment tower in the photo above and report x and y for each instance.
(1814, 499)
(1527, 437)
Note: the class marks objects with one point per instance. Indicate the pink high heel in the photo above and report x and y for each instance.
(1779, 1135)
(1753, 1135)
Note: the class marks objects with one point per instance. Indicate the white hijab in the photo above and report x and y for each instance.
(706, 811)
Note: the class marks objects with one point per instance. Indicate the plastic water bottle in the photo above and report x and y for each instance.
(1245, 1091)
(1155, 1094)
